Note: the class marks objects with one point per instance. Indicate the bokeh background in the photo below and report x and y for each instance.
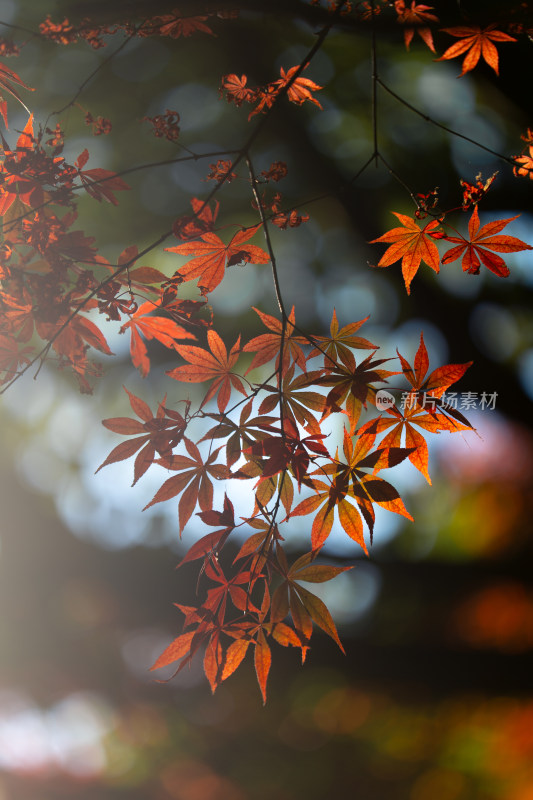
(434, 698)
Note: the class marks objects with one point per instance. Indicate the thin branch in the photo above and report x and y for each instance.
(100, 66)
(359, 171)
(397, 178)
(277, 289)
(266, 231)
(375, 78)
(432, 121)
(36, 34)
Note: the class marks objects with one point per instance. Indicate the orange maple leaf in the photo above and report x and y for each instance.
(351, 483)
(477, 251)
(399, 421)
(439, 380)
(236, 89)
(475, 42)
(412, 245)
(300, 90)
(413, 18)
(164, 330)
(178, 648)
(427, 391)
(256, 632)
(526, 170)
(304, 608)
(215, 366)
(212, 257)
(16, 182)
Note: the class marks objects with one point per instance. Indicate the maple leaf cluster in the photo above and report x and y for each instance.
(258, 598)
(415, 18)
(8, 48)
(173, 25)
(165, 125)
(282, 219)
(297, 88)
(66, 33)
(415, 245)
(474, 42)
(100, 126)
(43, 283)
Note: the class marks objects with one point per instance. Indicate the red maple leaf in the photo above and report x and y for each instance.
(159, 433)
(238, 436)
(475, 42)
(189, 226)
(69, 341)
(99, 183)
(221, 172)
(477, 250)
(212, 256)
(414, 18)
(193, 481)
(164, 330)
(217, 597)
(210, 545)
(287, 449)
